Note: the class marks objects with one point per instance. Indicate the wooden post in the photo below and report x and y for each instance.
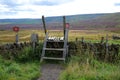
(34, 40)
(16, 29)
(76, 39)
(44, 26)
(102, 40)
(64, 25)
(107, 43)
(106, 56)
(82, 39)
(17, 38)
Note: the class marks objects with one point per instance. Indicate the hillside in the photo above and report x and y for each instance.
(85, 21)
(57, 19)
(105, 21)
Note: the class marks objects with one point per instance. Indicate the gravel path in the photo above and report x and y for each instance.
(50, 71)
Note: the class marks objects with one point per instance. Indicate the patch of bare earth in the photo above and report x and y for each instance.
(51, 71)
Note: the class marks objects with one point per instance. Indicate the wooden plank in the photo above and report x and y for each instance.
(53, 58)
(55, 41)
(56, 49)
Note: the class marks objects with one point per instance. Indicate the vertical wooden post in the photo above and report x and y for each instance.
(106, 56)
(76, 39)
(17, 38)
(34, 40)
(64, 25)
(44, 26)
(107, 43)
(82, 39)
(102, 40)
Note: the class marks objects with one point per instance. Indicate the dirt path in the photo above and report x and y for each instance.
(50, 71)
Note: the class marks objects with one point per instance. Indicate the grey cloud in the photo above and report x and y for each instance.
(50, 2)
(14, 7)
(9, 3)
(14, 3)
(21, 9)
(8, 13)
(15, 10)
(117, 4)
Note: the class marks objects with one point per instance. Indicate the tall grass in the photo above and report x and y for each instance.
(23, 65)
(29, 54)
(83, 66)
(11, 70)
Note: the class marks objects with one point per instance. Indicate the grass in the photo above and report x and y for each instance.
(89, 35)
(80, 67)
(11, 70)
(85, 67)
(24, 65)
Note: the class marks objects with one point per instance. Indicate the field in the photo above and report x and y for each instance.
(87, 60)
(89, 35)
(80, 66)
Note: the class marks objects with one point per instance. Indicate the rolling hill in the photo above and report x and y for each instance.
(85, 21)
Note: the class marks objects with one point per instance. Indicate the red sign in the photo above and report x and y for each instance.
(16, 29)
(67, 25)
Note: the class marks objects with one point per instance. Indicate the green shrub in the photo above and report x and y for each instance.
(29, 54)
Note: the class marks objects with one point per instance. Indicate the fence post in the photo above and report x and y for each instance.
(16, 38)
(64, 25)
(44, 26)
(82, 39)
(106, 56)
(34, 40)
(76, 39)
(102, 40)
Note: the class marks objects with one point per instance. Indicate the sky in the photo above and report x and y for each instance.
(37, 8)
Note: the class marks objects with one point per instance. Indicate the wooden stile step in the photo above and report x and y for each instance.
(53, 58)
(57, 44)
(56, 49)
(55, 41)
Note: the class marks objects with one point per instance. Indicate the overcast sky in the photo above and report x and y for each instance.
(37, 8)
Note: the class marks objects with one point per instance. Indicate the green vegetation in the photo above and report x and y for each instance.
(93, 70)
(28, 54)
(84, 66)
(23, 65)
(11, 70)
